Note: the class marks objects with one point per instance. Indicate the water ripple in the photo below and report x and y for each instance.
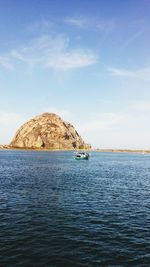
(55, 211)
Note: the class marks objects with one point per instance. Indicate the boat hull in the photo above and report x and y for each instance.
(80, 156)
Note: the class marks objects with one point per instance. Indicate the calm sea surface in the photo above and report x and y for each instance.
(59, 212)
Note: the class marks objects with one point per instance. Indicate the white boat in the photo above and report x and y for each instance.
(81, 155)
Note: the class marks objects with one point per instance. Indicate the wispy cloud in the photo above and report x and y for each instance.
(82, 22)
(5, 62)
(42, 25)
(51, 52)
(131, 40)
(143, 74)
(121, 72)
(79, 22)
(106, 25)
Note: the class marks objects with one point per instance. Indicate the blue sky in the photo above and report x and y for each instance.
(88, 61)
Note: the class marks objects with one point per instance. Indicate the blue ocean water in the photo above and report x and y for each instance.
(56, 211)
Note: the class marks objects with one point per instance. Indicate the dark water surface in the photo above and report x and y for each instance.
(56, 211)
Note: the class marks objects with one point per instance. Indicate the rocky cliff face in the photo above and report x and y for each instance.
(48, 131)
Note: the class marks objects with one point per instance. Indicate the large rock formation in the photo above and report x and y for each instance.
(48, 131)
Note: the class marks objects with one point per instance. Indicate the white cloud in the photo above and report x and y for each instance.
(41, 50)
(72, 59)
(50, 51)
(143, 74)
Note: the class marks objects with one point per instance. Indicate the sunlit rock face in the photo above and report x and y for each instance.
(48, 131)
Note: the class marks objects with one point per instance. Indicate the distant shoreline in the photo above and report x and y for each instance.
(142, 151)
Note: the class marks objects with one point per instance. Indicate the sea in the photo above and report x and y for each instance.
(56, 211)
